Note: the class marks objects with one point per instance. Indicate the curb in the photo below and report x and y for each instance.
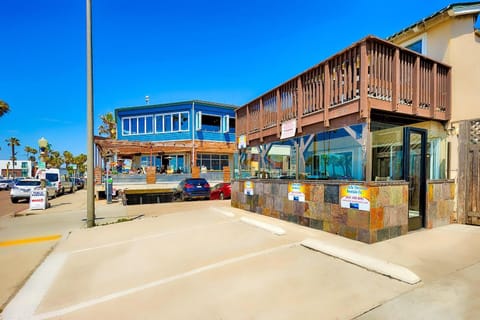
(372, 264)
(262, 225)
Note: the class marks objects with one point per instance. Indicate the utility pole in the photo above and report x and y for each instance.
(90, 151)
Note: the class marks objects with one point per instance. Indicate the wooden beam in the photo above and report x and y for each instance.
(279, 112)
(326, 96)
(396, 80)
(363, 80)
(434, 90)
(299, 104)
(261, 119)
(416, 85)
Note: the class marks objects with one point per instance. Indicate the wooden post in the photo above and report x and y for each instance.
(363, 80)
(195, 172)
(261, 120)
(434, 91)
(326, 95)
(226, 174)
(396, 80)
(279, 113)
(462, 188)
(151, 175)
(299, 104)
(416, 85)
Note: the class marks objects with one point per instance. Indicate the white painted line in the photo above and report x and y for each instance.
(157, 235)
(27, 300)
(119, 294)
(274, 229)
(373, 264)
(225, 213)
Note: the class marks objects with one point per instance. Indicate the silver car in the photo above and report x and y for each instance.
(23, 189)
(6, 184)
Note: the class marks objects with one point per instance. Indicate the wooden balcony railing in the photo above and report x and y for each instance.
(371, 74)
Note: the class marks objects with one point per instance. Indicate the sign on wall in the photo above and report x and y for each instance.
(355, 197)
(242, 141)
(248, 188)
(288, 129)
(296, 192)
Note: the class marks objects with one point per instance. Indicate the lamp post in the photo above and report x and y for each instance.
(42, 143)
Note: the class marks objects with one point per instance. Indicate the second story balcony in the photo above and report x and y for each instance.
(370, 75)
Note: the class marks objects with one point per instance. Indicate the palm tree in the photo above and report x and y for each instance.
(108, 126)
(13, 142)
(80, 161)
(4, 107)
(68, 158)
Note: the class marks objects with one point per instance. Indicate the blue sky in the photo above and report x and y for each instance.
(219, 51)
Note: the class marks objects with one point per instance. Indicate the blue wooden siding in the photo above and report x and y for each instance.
(203, 134)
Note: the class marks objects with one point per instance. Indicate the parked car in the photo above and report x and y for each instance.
(80, 183)
(192, 188)
(23, 188)
(6, 184)
(52, 175)
(68, 184)
(221, 191)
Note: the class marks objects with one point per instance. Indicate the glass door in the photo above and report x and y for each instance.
(415, 142)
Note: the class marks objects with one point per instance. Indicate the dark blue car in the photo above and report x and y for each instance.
(193, 188)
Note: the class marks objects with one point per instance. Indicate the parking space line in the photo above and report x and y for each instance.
(262, 225)
(29, 240)
(27, 300)
(157, 235)
(119, 294)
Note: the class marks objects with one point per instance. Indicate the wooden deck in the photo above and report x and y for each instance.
(372, 74)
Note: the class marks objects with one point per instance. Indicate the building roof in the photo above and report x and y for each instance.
(151, 106)
(453, 10)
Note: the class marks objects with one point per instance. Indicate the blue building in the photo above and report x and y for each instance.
(173, 137)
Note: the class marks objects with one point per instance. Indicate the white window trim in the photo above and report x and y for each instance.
(422, 37)
(220, 129)
(130, 118)
(179, 114)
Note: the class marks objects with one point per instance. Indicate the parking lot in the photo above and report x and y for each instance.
(206, 260)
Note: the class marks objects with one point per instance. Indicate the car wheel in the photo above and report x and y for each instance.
(221, 196)
(182, 197)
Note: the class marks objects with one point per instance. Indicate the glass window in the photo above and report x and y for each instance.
(149, 124)
(231, 125)
(159, 123)
(141, 125)
(126, 127)
(167, 122)
(387, 154)
(416, 46)
(211, 123)
(176, 122)
(184, 121)
(133, 126)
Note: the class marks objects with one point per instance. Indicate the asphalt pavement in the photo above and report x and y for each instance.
(206, 260)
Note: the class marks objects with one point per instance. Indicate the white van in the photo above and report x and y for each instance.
(52, 175)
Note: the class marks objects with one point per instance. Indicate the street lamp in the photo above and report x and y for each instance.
(42, 143)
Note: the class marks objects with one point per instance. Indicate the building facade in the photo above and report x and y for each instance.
(173, 138)
(22, 168)
(356, 145)
(452, 35)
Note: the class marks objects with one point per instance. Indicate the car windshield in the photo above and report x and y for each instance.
(52, 177)
(28, 183)
(196, 181)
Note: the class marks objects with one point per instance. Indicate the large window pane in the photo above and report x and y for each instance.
(176, 122)
(168, 122)
(211, 123)
(159, 123)
(133, 126)
(126, 127)
(141, 125)
(184, 121)
(149, 124)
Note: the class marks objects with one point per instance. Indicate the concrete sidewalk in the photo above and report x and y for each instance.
(201, 260)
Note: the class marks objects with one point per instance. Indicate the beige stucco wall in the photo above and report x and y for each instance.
(454, 42)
